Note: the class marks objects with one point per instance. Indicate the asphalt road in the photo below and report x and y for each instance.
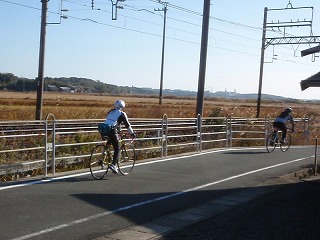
(78, 207)
(289, 213)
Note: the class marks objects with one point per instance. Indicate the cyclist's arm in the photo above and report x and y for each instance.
(292, 123)
(127, 124)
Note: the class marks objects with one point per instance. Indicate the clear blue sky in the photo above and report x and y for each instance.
(127, 51)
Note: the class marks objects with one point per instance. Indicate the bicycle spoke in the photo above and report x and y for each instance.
(271, 142)
(286, 145)
(98, 162)
(127, 159)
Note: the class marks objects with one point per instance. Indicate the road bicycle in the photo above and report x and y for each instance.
(274, 139)
(102, 155)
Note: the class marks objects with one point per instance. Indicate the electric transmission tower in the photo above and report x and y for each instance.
(282, 27)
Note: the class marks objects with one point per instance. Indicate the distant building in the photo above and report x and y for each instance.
(52, 88)
(65, 89)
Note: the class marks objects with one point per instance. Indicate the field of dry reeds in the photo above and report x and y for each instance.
(22, 106)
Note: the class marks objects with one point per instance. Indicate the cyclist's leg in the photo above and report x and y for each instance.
(280, 126)
(276, 128)
(113, 139)
(284, 131)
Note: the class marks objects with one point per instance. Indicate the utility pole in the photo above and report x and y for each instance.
(203, 56)
(41, 59)
(164, 9)
(263, 47)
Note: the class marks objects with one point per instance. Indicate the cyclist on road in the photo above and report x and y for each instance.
(280, 122)
(110, 129)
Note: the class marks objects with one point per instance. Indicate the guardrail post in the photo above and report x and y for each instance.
(306, 130)
(158, 137)
(164, 130)
(229, 131)
(315, 158)
(50, 146)
(266, 129)
(54, 147)
(199, 133)
(45, 170)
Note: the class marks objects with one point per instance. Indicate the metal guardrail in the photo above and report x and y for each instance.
(316, 158)
(51, 144)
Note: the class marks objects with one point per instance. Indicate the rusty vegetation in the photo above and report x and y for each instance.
(21, 106)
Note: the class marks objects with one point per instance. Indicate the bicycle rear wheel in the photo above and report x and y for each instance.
(99, 162)
(127, 159)
(270, 143)
(285, 146)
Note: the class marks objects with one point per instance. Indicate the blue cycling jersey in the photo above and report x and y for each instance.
(284, 117)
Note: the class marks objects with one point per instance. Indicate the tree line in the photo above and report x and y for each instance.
(10, 82)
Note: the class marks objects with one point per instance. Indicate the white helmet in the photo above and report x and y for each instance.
(288, 109)
(119, 104)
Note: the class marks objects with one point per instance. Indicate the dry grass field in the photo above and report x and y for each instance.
(22, 106)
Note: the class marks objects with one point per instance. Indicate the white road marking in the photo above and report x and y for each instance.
(138, 164)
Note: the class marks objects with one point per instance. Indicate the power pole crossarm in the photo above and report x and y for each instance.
(292, 40)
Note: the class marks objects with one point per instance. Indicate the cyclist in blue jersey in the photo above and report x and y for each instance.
(281, 120)
(110, 127)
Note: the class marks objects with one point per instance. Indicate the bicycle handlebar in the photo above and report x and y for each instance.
(278, 129)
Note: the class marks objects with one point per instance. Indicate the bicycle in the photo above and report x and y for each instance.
(273, 140)
(102, 155)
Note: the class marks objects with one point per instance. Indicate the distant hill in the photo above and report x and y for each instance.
(235, 95)
(9, 81)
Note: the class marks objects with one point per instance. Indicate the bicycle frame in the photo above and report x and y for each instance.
(101, 158)
(273, 140)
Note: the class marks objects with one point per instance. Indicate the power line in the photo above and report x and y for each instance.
(175, 29)
(19, 4)
(176, 7)
(211, 17)
(88, 19)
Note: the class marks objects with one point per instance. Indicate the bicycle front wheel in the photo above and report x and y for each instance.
(127, 159)
(270, 144)
(99, 162)
(285, 146)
